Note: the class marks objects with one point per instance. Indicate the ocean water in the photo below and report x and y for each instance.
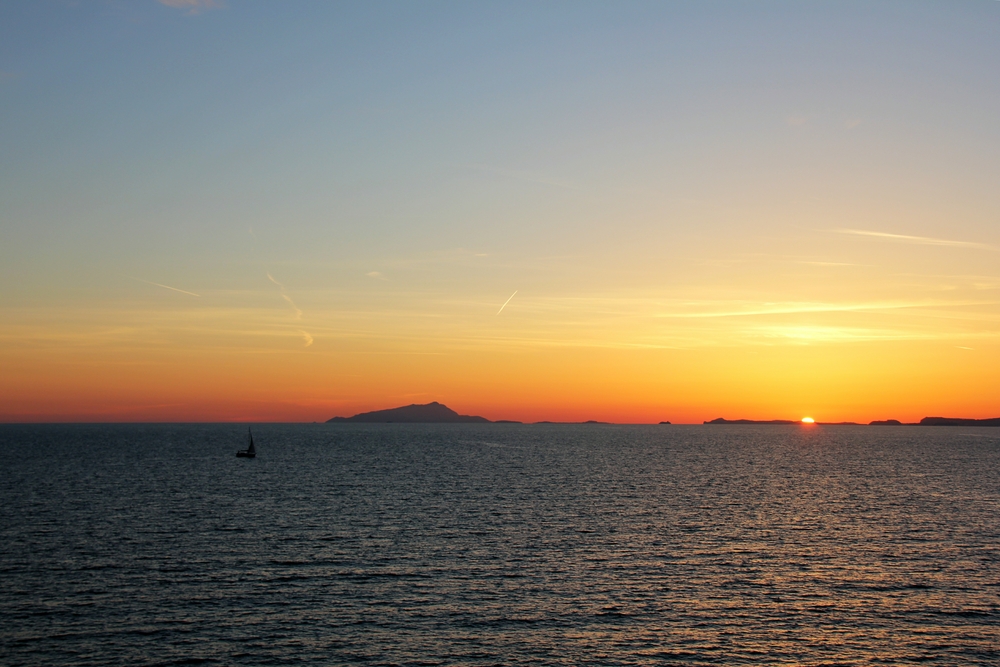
(499, 544)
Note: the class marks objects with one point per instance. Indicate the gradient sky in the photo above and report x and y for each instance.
(290, 211)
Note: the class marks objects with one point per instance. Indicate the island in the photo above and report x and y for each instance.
(939, 421)
(720, 420)
(589, 421)
(429, 413)
(956, 421)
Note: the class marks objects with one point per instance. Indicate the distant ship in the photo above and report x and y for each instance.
(249, 452)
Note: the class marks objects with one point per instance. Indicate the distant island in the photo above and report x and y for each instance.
(720, 420)
(430, 413)
(589, 421)
(939, 421)
(926, 421)
(955, 421)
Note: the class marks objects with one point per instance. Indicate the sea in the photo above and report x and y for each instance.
(499, 544)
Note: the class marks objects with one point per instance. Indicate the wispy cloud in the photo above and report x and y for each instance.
(193, 6)
(808, 334)
(799, 308)
(376, 274)
(307, 338)
(918, 240)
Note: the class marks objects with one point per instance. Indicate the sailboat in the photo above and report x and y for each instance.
(249, 452)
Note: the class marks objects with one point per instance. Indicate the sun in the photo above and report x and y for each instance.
(808, 420)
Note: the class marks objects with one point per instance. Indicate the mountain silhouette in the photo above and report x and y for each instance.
(430, 413)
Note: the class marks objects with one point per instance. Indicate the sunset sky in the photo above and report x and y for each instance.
(215, 211)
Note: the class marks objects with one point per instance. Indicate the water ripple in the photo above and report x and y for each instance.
(499, 544)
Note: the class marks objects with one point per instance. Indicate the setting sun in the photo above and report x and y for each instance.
(808, 420)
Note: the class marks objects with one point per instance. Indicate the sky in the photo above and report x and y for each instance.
(628, 212)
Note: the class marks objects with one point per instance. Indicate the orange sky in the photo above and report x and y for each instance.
(203, 366)
(246, 214)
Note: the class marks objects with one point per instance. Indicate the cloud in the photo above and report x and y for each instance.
(193, 6)
(830, 334)
(376, 274)
(797, 308)
(852, 123)
(918, 240)
(308, 339)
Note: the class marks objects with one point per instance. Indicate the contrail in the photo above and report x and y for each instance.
(167, 287)
(298, 311)
(506, 302)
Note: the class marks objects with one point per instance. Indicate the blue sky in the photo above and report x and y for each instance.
(371, 123)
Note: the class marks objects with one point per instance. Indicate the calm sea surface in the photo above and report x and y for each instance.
(499, 544)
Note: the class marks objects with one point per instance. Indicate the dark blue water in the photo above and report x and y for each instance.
(499, 544)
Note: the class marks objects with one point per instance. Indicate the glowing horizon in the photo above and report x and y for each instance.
(631, 213)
